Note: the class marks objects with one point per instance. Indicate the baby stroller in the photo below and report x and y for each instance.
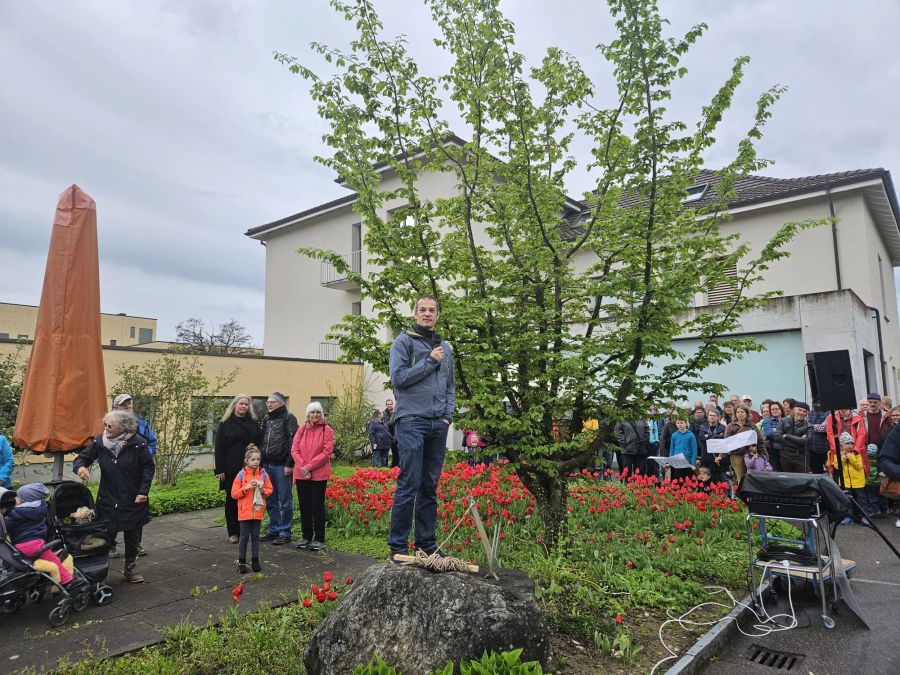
(88, 540)
(20, 581)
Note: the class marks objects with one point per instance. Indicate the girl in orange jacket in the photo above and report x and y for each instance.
(250, 488)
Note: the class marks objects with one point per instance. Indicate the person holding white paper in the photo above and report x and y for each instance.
(710, 431)
(683, 443)
(743, 423)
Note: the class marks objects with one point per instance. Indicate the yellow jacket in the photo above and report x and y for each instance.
(854, 475)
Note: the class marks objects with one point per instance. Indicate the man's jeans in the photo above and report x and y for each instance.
(280, 504)
(422, 443)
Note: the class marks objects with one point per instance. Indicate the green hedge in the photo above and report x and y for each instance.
(194, 491)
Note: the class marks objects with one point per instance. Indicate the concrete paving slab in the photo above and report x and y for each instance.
(849, 646)
(173, 569)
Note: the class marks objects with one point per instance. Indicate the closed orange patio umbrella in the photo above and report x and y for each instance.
(64, 392)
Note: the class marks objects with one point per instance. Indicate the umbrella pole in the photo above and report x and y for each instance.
(57, 466)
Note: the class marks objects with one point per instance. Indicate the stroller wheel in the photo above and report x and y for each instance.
(36, 594)
(103, 596)
(80, 601)
(14, 603)
(59, 615)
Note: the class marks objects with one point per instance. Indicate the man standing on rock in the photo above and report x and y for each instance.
(278, 429)
(421, 369)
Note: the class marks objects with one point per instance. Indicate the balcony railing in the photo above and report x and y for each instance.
(329, 351)
(329, 275)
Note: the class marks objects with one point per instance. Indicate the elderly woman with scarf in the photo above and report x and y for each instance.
(126, 471)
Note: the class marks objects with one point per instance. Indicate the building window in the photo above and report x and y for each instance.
(131, 334)
(723, 290)
(112, 343)
(695, 193)
(145, 335)
(22, 336)
(356, 309)
(4, 336)
(871, 377)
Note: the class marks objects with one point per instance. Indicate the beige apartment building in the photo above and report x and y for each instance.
(838, 283)
(122, 330)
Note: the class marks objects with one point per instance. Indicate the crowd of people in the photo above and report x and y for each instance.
(785, 435)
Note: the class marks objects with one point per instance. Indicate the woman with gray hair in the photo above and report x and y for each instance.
(310, 463)
(126, 471)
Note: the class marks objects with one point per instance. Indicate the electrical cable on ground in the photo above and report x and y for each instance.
(764, 628)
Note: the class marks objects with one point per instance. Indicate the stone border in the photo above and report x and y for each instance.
(695, 658)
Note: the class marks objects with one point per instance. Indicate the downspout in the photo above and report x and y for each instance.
(880, 348)
(834, 241)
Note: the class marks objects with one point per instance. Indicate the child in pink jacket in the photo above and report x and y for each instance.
(310, 462)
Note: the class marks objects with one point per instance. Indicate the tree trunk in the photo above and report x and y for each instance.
(551, 494)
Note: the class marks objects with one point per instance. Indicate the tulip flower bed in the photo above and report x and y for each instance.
(634, 549)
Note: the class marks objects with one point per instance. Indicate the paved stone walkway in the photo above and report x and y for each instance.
(849, 647)
(186, 552)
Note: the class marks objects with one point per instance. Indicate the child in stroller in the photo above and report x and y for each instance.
(21, 580)
(26, 525)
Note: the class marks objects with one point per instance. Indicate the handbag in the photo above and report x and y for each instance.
(890, 488)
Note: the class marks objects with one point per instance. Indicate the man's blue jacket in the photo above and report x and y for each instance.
(423, 386)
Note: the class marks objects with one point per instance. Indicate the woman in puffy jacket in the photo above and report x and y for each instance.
(310, 462)
(771, 430)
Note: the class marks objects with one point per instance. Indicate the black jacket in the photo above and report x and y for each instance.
(278, 429)
(665, 437)
(122, 479)
(795, 437)
(27, 524)
(889, 455)
(232, 438)
(379, 435)
(706, 433)
(633, 437)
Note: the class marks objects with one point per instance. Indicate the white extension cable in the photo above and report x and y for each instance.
(765, 620)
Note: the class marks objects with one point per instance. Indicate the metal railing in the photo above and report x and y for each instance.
(329, 351)
(329, 275)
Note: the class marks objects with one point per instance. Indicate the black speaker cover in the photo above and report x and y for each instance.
(794, 489)
(834, 380)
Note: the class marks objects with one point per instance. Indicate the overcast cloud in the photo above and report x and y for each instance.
(175, 118)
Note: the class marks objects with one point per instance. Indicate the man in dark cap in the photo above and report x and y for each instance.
(278, 429)
(795, 439)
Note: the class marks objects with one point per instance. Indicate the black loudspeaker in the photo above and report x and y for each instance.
(834, 380)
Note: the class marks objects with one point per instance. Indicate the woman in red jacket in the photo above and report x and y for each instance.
(310, 462)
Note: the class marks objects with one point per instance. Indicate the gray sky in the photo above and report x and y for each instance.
(174, 117)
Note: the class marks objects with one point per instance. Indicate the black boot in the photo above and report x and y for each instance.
(254, 565)
(131, 574)
(242, 566)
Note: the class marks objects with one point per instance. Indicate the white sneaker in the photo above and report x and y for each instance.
(897, 524)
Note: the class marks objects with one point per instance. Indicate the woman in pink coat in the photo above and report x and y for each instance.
(310, 462)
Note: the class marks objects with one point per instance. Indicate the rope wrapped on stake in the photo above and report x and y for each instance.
(444, 563)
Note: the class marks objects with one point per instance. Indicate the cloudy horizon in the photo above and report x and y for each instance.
(176, 119)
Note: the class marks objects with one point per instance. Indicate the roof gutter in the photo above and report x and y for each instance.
(834, 239)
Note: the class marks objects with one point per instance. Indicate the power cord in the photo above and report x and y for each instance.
(765, 620)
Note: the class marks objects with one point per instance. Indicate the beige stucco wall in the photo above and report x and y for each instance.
(297, 379)
(16, 320)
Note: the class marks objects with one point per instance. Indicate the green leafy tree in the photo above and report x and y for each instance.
(555, 317)
(349, 414)
(178, 400)
(12, 374)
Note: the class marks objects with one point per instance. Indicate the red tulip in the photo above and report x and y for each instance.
(619, 618)
(349, 581)
(332, 596)
(629, 565)
(307, 602)
(321, 596)
(328, 576)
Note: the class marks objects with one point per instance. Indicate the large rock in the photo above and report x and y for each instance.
(417, 621)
